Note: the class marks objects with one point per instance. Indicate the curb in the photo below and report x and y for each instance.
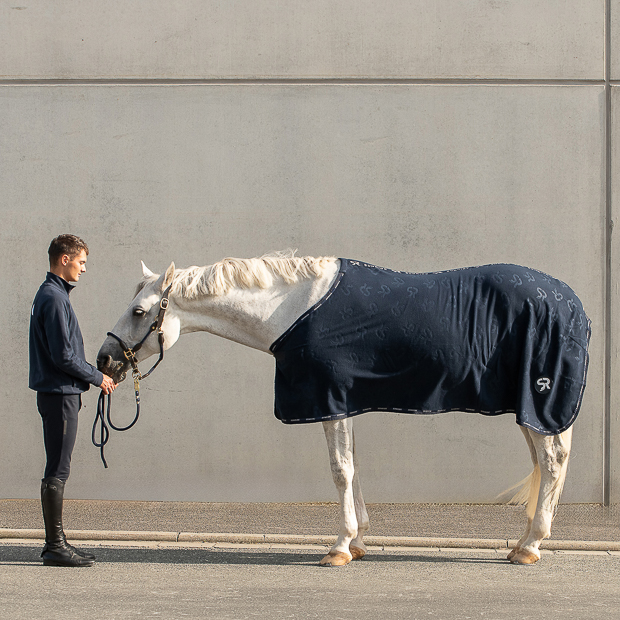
(291, 539)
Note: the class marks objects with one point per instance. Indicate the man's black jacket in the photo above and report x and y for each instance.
(57, 361)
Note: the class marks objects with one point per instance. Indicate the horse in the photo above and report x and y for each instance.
(494, 339)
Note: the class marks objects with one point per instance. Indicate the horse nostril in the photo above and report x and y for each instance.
(103, 361)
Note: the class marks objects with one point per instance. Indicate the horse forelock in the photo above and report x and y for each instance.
(260, 272)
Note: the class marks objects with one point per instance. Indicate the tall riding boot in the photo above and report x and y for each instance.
(57, 551)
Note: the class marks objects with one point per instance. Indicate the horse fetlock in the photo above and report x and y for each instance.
(525, 556)
(357, 553)
(539, 531)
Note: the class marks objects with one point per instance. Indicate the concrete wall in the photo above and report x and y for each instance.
(414, 136)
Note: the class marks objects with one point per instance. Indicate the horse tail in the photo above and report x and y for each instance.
(528, 488)
(527, 493)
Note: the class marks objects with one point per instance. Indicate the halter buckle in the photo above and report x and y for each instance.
(163, 304)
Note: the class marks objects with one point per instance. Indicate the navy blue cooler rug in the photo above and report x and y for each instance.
(493, 339)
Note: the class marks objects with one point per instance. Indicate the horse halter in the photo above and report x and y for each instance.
(130, 356)
(130, 352)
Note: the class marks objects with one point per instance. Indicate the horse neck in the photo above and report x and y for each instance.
(254, 317)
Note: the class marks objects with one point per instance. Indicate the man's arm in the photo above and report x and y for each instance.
(62, 353)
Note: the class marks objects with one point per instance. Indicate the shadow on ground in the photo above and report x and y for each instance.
(29, 556)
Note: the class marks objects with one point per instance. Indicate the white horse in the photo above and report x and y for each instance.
(254, 302)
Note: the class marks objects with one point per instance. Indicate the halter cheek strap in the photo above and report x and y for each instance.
(130, 356)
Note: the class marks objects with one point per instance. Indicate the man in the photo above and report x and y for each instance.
(59, 373)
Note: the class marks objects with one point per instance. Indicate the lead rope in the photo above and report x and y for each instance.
(103, 411)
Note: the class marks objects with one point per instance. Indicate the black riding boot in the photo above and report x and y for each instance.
(57, 551)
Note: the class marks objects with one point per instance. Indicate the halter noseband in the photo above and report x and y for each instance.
(130, 356)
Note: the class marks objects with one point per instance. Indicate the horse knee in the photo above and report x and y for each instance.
(342, 475)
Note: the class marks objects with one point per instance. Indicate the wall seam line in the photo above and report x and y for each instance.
(301, 82)
(608, 305)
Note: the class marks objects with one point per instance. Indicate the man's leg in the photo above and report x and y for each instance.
(59, 413)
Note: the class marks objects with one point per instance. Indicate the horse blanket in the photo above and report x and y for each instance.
(493, 339)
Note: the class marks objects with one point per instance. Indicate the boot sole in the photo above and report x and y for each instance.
(68, 564)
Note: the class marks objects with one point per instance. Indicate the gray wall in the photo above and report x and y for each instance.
(414, 135)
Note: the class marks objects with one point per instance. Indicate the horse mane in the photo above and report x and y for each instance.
(219, 278)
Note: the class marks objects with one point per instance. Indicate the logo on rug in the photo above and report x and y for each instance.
(543, 385)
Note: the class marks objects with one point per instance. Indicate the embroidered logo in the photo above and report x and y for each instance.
(543, 385)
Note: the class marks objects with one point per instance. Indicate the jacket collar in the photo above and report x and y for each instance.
(58, 281)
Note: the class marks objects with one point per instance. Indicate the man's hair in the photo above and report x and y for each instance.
(65, 244)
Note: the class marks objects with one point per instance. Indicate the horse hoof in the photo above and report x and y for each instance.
(513, 553)
(524, 557)
(356, 553)
(336, 558)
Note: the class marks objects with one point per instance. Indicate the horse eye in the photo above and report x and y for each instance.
(138, 312)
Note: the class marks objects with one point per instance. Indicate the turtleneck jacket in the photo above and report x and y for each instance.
(57, 361)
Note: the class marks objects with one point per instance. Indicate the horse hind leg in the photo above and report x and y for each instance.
(528, 493)
(552, 453)
(357, 548)
(339, 435)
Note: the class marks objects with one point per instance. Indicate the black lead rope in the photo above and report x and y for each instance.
(105, 401)
(103, 414)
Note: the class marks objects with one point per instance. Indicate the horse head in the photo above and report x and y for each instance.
(135, 326)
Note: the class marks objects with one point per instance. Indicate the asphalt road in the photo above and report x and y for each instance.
(171, 582)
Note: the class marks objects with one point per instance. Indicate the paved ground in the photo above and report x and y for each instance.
(588, 522)
(175, 580)
(169, 582)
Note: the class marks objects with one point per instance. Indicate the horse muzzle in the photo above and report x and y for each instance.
(109, 366)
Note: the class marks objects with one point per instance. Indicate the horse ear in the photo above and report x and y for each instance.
(146, 272)
(168, 276)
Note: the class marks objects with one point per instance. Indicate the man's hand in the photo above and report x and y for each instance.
(108, 385)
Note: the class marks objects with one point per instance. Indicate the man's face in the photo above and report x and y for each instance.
(73, 268)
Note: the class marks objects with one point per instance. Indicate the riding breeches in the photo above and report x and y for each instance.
(59, 413)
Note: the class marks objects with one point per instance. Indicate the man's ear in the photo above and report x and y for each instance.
(169, 275)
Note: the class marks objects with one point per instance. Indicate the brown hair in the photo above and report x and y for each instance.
(65, 244)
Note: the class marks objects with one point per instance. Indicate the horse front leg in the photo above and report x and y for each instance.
(552, 453)
(357, 547)
(339, 435)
